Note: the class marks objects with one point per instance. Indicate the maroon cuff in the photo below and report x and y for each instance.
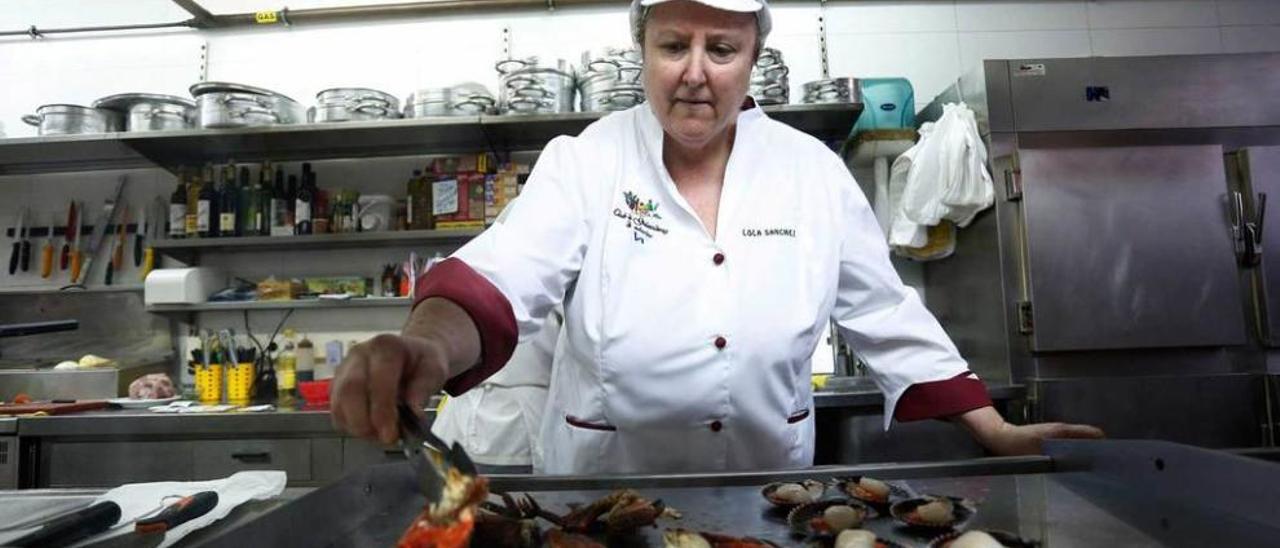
(452, 279)
(937, 399)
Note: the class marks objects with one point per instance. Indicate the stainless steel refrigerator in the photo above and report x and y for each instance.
(1121, 274)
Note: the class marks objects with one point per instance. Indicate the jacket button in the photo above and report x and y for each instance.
(718, 258)
(716, 426)
(721, 342)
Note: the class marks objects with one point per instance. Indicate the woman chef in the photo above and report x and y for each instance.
(698, 248)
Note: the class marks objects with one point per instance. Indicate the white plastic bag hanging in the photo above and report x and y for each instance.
(945, 178)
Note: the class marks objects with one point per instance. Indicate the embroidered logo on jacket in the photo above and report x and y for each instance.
(640, 217)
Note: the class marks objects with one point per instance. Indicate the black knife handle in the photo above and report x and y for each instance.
(71, 528)
(137, 251)
(14, 256)
(188, 508)
(26, 256)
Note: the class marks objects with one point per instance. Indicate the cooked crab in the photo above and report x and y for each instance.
(617, 513)
(511, 524)
(449, 522)
(560, 539)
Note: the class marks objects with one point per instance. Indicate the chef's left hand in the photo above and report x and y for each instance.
(1005, 439)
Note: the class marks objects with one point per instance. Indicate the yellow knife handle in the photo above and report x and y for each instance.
(76, 258)
(46, 260)
(148, 263)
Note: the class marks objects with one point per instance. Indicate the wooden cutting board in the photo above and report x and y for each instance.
(51, 408)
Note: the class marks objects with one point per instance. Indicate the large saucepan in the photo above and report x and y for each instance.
(355, 104)
(226, 105)
(64, 119)
(151, 112)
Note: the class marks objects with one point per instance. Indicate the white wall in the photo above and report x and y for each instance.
(929, 42)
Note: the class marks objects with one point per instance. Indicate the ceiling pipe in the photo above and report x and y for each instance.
(199, 15)
(36, 32)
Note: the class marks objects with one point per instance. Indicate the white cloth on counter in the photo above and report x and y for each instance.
(943, 177)
(137, 500)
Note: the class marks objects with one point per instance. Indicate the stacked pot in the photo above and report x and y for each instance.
(466, 99)
(528, 86)
(67, 119)
(611, 79)
(769, 83)
(151, 112)
(354, 105)
(228, 105)
(831, 90)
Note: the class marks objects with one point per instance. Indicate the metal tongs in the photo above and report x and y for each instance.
(429, 455)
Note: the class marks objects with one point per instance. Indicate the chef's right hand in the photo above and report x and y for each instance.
(376, 375)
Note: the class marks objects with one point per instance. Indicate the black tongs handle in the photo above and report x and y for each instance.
(416, 433)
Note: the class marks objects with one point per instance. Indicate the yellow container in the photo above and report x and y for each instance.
(209, 383)
(240, 383)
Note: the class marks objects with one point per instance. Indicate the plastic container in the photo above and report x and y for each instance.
(890, 103)
(208, 383)
(240, 384)
(315, 394)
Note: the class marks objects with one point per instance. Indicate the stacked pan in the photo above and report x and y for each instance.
(466, 99)
(831, 90)
(227, 105)
(611, 80)
(354, 104)
(528, 86)
(769, 84)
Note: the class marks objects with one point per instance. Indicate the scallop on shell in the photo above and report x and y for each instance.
(974, 538)
(789, 494)
(870, 490)
(825, 519)
(684, 538)
(861, 538)
(933, 512)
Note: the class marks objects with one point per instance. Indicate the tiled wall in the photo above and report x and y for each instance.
(929, 42)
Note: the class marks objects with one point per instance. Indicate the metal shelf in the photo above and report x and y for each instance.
(184, 249)
(365, 302)
(416, 136)
(63, 153)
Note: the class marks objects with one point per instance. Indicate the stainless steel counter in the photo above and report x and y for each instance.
(133, 422)
(8, 425)
(1108, 493)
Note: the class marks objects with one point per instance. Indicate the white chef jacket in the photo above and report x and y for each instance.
(682, 352)
(499, 421)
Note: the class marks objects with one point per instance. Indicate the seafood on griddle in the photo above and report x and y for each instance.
(513, 523)
(449, 522)
(618, 513)
(789, 494)
(684, 538)
(448, 479)
(560, 539)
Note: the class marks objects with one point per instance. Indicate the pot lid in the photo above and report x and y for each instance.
(60, 106)
(214, 87)
(124, 101)
(356, 91)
